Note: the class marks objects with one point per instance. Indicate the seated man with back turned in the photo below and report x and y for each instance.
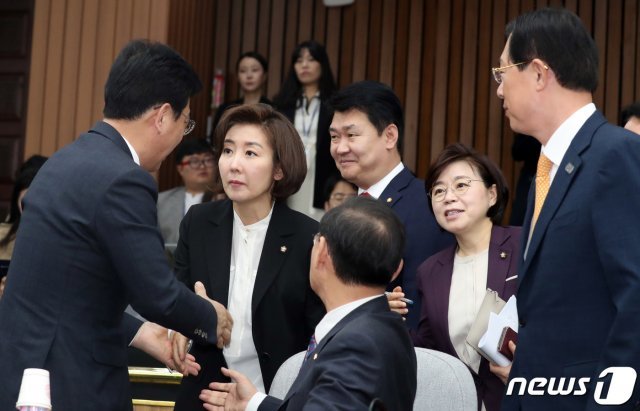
(195, 164)
(360, 350)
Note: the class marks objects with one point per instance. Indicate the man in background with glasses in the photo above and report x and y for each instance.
(88, 245)
(196, 165)
(579, 275)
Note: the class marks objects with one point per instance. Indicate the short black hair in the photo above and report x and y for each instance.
(559, 38)
(192, 146)
(331, 183)
(632, 110)
(365, 239)
(146, 74)
(486, 169)
(376, 100)
(254, 55)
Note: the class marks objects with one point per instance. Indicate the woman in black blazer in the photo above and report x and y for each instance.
(251, 251)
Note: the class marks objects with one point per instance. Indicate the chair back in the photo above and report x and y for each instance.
(444, 383)
(286, 375)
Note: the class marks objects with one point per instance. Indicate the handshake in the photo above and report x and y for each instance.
(172, 348)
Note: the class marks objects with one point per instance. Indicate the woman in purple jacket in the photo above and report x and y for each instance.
(468, 196)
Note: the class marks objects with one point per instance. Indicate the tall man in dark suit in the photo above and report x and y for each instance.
(88, 245)
(366, 139)
(579, 276)
(360, 350)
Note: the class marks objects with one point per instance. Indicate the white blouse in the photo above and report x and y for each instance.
(468, 288)
(246, 249)
(306, 123)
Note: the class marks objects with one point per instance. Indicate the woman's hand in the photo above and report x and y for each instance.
(503, 372)
(395, 301)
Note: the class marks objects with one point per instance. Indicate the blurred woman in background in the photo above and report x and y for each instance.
(251, 70)
(307, 87)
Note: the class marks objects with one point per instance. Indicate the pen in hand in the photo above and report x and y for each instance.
(405, 300)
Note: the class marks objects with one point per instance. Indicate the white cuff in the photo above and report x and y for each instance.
(255, 401)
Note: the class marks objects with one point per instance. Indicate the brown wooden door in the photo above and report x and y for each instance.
(16, 21)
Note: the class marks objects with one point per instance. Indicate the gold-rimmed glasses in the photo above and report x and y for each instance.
(499, 71)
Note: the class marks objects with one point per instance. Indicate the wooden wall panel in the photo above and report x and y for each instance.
(74, 44)
(436, 54)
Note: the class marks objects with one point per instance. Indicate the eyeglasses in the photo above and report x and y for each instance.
(439, 191)
(191, 124)
(499, 71)
(340, 197)
(196, 163)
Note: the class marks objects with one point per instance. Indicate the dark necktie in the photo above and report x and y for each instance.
(311, 347)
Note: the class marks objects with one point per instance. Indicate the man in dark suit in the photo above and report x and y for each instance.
(360, 350)
(366, 139)
(579, 276)
(88, 245)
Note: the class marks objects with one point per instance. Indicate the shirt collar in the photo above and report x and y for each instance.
(333, 317)
(378, 188)
(136, 159)
(561, 139)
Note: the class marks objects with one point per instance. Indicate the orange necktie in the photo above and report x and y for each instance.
(543, 180)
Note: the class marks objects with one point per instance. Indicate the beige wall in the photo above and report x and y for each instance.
(74, 44)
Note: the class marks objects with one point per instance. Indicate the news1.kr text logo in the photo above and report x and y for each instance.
(623, 379)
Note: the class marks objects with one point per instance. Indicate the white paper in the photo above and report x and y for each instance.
(488, 344)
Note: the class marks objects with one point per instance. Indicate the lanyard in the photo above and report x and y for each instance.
(307, 130)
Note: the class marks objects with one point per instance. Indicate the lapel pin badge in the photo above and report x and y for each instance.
(503, 255)
(569, 168)
(389, 199)
(315, 356)
(283, 249)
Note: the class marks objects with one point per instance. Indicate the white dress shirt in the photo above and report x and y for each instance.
(191, 199)
(136, 159)
(246, 249)
(330, 320)
(378, 188)
(561, 139)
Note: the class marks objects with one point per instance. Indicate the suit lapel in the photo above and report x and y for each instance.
(500, 254)
(274, 253)
(217, 247)
(568, 169)
(393, 192)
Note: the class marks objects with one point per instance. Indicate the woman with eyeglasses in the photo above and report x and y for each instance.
(252, 253)
(468, 195)
(302, 98)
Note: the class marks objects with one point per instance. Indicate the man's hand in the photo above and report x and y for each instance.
(232, 396)
(225, 322)
(154, 340)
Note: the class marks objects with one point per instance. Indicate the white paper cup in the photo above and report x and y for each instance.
(34, 390)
